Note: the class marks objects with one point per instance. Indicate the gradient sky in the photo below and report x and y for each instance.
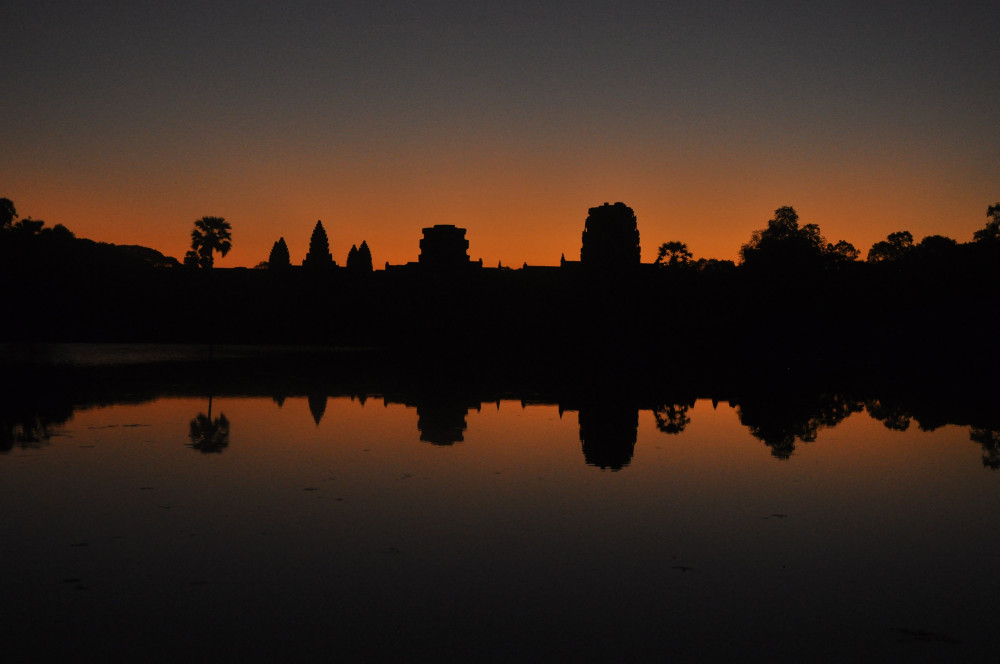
(127, 121)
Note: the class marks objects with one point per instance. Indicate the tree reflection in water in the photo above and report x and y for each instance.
(33, 408)
(29, 433)
(893, 416)
(671, 418)
(27, 421)
(990, 440)
(209, 436)
(780, 422)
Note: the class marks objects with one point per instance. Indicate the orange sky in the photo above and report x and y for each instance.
(521, 216)
(382, 118)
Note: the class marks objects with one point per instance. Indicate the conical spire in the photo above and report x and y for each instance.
(319, 256)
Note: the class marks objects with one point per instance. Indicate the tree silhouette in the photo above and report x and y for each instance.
(784, 244)
(842, 252)
(936, 250)
(991, 233)
(8, 213)
(319, 256)
(210, 235)
(610, 237)
(279, 258)
(209, 436)
(27, 227)
(60, 232)
(892, 248)
(673, 253)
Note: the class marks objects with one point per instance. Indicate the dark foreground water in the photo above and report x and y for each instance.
(315, 526)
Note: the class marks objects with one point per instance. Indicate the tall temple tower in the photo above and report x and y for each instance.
(444, 246)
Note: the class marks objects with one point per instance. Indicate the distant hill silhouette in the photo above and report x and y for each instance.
(141, 254)
(58, 248)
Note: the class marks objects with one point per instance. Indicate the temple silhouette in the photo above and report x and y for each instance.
(610, 242)
(795, 299)
(444, 246)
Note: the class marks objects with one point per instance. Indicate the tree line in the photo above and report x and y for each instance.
(610, 237)
(784, 243)
(793, 295)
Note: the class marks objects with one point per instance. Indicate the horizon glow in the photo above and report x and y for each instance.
(382, 118)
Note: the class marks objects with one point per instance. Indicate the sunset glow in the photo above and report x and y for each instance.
(382, 118)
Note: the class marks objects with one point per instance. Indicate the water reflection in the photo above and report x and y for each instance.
(317, 405)
(672, 418)
(348, 528)
(209, 436)
(442, 422)
(608, 432)
(441, 411)
(781, 420)
(28, 418)
(990, 440)
(891, 415)
(28, 427)
(780, 416)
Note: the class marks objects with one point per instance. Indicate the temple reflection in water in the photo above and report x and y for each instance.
(781, 415)
(286, 500)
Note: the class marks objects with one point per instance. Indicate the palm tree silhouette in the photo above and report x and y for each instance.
(211, 234)
(209, 436)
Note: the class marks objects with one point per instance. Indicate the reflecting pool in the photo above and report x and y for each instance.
(298, 521)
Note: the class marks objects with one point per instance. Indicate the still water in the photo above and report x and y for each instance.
(362, 528)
